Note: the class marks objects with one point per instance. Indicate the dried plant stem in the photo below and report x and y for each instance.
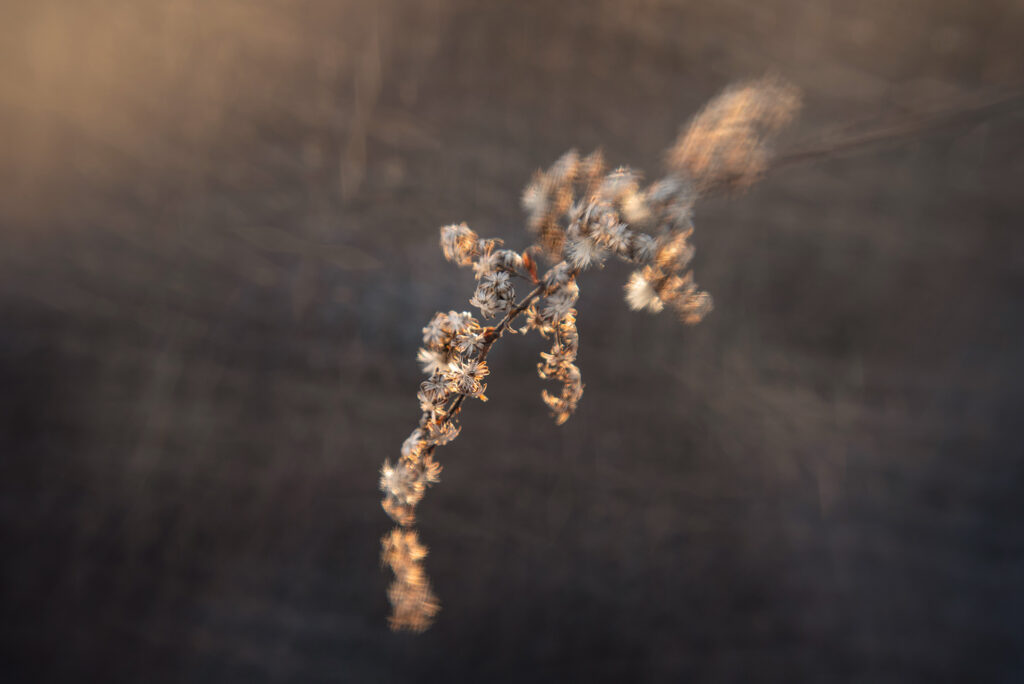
(493, 335)
(581, 213)
(965, 112)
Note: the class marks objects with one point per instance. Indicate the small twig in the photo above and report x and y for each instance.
(495, 334)
(915, 125)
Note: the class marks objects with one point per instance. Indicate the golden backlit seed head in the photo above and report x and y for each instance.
(641, 293)
(728, 142)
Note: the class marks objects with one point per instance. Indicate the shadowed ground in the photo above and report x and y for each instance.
(218, 246)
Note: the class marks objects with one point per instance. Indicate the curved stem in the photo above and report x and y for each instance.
(495, 334)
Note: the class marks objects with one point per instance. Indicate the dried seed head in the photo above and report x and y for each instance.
(401, 513)
(459, 244)
(470, 343)
(583, 252)
(564, 170)
(460, 322)
(616, 236)
(413, 445)
(435, 334)
(618, 184)
(557, 276)
(641, 292)
(641, 248)
(560, 301)
(728, 142)
(494, 295)
(693, 307)
(674, 251)
(431, 360)
(413, 602)
(441, 432)
(465, 377)
(402, 482)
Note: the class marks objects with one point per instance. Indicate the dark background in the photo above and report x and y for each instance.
(218, 245)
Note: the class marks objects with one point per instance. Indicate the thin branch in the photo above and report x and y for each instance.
(913, 126)
(495, 333)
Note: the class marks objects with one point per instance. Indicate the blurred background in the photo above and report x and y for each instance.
(218, 245)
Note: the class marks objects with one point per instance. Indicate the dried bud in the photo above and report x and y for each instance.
(459, 244)
(470, 343)
(583, 251)
(441, 432)
(641, 291)
(466, 377)
(674, 251)
(560, 301)
(557, 276)
(641, 248)
(431, 360)
(494, 295)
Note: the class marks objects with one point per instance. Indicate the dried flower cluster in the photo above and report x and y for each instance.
(581, 213)
(413, 603)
